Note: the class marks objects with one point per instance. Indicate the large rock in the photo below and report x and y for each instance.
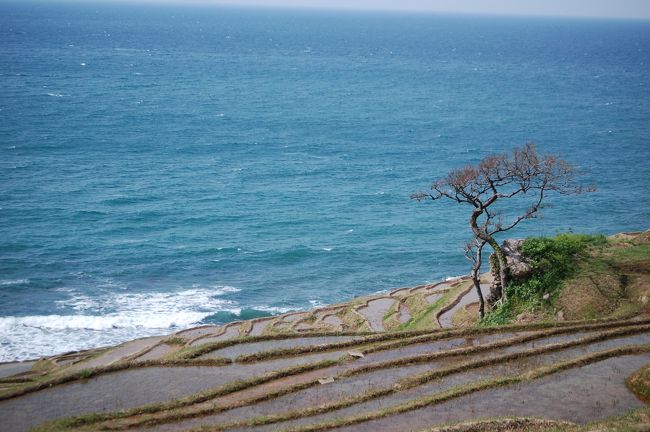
(518, 267)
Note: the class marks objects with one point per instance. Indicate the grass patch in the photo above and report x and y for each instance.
(554, 260)
(426, 318)
(466, 316)
(633, 421)
(391, 318)
(352, 320)
(585, 277)
(174, 340)
(639, 383)
(518, 424)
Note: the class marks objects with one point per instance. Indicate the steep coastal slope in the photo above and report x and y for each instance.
(384, 362)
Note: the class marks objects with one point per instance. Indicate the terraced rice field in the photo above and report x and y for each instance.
(270, 375)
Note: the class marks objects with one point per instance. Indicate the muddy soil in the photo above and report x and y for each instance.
(510, 368)
(582, 395)
(374, 312)
(256, 347)
(131, 388)
(471, 297)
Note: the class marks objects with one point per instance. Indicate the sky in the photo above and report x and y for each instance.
(588, 8)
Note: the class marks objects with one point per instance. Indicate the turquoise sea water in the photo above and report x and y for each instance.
(164, 166)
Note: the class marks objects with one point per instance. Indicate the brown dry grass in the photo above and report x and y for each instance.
(466, 316)
(588, 296)
(504, 425)
(611, 281)
(639, 383)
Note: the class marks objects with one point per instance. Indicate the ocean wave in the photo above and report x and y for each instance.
(37, 336)
(8, 282)
(291, 255)
(247, 313)
(275, 310)
(315, 303)
(197, 299)
(150, 320)
(85, 322)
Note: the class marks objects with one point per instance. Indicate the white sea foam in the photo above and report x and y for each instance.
(194, 299)
(42, 335)
(84, 322)
(273, 309)
(137, 319)
(316, 303)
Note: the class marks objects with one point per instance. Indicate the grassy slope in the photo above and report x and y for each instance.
(585, 277)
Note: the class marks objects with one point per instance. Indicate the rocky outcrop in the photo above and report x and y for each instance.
(519, 269)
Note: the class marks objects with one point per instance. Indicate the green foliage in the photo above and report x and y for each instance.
(553, 259)
(426, 318)
(633, 255)
(86, 373)
(174, 340)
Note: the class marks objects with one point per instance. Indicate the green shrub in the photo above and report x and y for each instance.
(553, 259)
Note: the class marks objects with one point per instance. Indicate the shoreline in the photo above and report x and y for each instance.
(328, 321)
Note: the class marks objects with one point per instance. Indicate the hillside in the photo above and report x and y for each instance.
(411, 359)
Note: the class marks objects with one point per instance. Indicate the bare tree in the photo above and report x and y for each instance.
(521, 181)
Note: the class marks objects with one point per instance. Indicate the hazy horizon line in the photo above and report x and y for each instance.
(254, 4)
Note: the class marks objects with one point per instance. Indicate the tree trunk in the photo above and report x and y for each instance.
(501, 258)
(476, 278)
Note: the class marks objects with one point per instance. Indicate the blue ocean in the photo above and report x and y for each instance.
(168, 166)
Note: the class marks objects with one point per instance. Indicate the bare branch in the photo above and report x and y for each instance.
(504, 179)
